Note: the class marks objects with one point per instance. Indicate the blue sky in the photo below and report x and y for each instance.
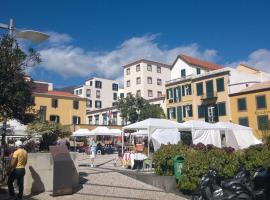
(97, 37)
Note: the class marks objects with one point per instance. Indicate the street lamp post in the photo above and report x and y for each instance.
(34, 36)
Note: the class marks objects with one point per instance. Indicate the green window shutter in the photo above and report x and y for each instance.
(173, 113)
(199, 87)
(201, 111)
(262, 121)
(179, 114)
(209, 89)
(260, 101)
(189, 88)
(243, 121)
(168, 113)
(220, 84)
(174, 94)
(184, 111)
(242, 105)
(183, 90)
(221, 109)
(167, 93)
(191, 111)
(179, 93)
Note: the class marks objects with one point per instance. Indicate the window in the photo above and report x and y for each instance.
(80, 91)
(149, 80)
(129, 94)
(76, 120)
(42, 113)
(114, 118)
(98, 84)
(171, 113)
(115, 87)
(89, 103)
(97, 104)
(122, 95)
(91, 83)
(98, 94)
(150, 93)
(128, 83)
(159, 81)
(128, 71)
(158, 69)
(262, 121)
(114, 103)
(138, 80)
(221, 109)
(96, 119)
(54, 103)
(241, 103)
(114, 96)
(159, 94)
(138, 68)
(170, 93)
(187, 111)
(104, 116)
(88, 93)
(90, 119)
(54, 118)
(183, 72)
(243, 121)
(198, 70)
(199, 87)
(201, 111)
(186, 90)
(260, 102)
(209, 89)
(138, 93)
(76, 92)
(149, 67)
(220, 84)
(76, 105)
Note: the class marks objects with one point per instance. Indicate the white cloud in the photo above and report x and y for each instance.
(259, 59)
(68, 60)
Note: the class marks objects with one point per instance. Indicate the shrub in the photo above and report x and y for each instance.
(199, 158)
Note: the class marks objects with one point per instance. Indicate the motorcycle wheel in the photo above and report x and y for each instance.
(243, 196)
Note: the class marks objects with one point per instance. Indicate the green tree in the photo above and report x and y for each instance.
(50, 132)
(15, 89)
(134, 109)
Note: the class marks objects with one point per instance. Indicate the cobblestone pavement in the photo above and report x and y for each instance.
(104, 182)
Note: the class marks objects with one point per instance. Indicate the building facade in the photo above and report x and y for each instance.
(251, 107)
(60, 107)
(146, 78)
(100, 93)
(201, 90)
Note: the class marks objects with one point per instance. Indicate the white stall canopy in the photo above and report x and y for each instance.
(82, 132)
(165, 136)
(237, 136)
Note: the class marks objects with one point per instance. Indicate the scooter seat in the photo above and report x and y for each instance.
(229, 183)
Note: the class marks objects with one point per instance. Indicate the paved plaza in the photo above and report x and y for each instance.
(106, 182)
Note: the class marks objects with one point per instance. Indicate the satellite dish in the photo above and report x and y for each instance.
(34, 36)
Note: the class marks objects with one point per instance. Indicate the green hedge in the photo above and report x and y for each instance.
(199, 158)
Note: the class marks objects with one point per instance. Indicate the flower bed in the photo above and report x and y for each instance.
(199, 158)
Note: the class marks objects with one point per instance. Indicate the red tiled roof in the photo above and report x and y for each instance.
(59, 93)
(199, 63)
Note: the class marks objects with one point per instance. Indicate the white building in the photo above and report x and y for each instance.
(146, 78)
(101, 93)
(185, 66)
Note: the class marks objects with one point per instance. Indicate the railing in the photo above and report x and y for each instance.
(209, 95)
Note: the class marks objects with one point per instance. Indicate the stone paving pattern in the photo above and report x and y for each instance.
(104, 182)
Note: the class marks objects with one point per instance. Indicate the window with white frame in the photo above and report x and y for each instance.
(138, 80)
(127, 71)
(138, 68)
(88, 93)
(98, 94)
(76, 120)
(96, 119)
(159, 94)
(158, 69)
(97, 104)
(128, 83)
(149, 80)
(187, 111)
(150, 93)
(90, 119)
(138, 93)
(159, 82)
(149, 67)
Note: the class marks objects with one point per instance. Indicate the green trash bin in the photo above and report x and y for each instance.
(178, 162)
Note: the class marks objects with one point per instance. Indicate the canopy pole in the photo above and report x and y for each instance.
(75, 143)
(148, 144)
(123, 142)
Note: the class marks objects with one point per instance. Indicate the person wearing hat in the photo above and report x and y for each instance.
(17, 170)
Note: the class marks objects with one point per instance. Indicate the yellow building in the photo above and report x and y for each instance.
(251, 107)
(60, 106)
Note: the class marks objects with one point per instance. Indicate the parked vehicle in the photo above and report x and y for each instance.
(240, 187)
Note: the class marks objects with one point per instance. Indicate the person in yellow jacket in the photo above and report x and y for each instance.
(17, 170)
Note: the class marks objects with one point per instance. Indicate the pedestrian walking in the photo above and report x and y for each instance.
(93, 151)
(17, 170)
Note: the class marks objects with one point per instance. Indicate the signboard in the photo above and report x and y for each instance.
(62, 170)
